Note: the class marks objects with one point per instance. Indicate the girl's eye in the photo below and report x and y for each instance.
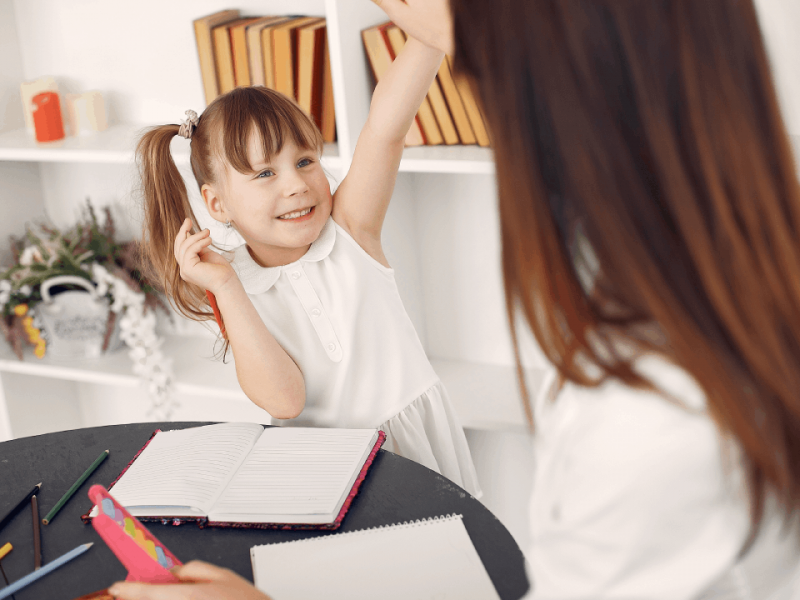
(265, 174)
(304, 162)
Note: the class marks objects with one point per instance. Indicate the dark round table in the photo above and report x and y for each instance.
(395, 490)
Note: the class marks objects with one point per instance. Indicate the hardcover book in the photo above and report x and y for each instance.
(205, 49)
(380, 58)
(246, 475)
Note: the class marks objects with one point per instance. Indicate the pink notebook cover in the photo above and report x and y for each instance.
(204, 522)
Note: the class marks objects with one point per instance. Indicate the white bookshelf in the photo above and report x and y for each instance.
(155, 81)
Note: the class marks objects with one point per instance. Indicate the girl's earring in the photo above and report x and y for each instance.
(228, 225)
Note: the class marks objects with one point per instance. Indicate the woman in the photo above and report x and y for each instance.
(650, 216)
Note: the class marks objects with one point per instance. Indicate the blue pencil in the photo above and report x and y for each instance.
(51, 566)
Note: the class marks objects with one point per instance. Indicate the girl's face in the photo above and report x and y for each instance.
(280, 208)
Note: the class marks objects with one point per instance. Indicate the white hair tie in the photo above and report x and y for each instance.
(188, 126)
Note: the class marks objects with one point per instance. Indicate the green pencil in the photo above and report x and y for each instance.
(75, 487)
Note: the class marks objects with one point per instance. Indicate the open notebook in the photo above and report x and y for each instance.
(241, 474)
(423, 560)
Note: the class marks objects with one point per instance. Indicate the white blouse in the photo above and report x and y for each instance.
(636, 497)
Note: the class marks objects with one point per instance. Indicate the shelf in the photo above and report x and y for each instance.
(484, 396)
(115, 145)
(195, 370)
(448, 159)
(487, 396)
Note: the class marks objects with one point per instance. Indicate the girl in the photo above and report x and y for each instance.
(309, 303)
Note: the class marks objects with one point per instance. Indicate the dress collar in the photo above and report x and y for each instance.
(257, 279)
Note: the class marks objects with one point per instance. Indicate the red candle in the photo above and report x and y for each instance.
(47, 117)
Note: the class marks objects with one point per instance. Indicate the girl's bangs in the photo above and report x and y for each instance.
(274, 118)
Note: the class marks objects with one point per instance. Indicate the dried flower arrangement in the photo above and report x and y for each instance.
(88, 250)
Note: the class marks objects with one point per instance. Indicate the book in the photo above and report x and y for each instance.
(310, 57)
(380, 58)
(395, 40)
(471, 106)
(255, 52)
(243, 475)
(456, 105)
(241, 59)
(429, 559)
(223, 54)
(328, 109)
(284, 54)
(267, 58)
(205, 49)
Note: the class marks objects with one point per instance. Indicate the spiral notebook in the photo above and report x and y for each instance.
(422, 560)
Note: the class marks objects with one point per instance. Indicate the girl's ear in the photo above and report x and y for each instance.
(213, 203)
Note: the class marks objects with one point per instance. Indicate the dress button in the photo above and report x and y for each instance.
(331, 347)
(296, 275)
(316, 312)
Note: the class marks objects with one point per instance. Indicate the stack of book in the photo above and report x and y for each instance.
(449, 114)
(287, 54)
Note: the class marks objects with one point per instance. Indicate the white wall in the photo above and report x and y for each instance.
(780, 24)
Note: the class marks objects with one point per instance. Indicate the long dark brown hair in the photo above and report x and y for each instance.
(221, 136)
(651, 130)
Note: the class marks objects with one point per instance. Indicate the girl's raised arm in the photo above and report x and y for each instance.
(363, 197)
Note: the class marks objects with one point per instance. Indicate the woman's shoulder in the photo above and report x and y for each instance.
(644, 488)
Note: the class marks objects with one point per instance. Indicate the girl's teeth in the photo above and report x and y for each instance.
(296, 214)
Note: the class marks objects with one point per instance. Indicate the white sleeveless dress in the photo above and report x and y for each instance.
(337, 312)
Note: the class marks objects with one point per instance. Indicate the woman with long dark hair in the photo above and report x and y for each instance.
(650, 215)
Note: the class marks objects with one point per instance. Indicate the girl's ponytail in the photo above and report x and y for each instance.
(166, 205)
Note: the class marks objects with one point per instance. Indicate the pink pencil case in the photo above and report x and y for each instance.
(146, 559)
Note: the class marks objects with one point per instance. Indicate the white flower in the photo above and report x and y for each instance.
(5, 285)
(30, 255)
(25, 290)
(4, 298)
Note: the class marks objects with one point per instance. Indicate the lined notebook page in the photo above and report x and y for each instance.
(185, 469)
(424, 560)
(295, 475)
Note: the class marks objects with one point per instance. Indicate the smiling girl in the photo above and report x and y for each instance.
(309, 302)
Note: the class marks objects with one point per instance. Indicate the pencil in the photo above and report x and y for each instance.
(75, 487)
(14, 511)
(37, 535)
(51, 566)
(3, 552)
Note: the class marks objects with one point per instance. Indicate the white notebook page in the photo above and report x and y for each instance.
(184, 468)
(424, 560)
(295, 475)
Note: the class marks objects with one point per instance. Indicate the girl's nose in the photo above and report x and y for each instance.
(295, 184)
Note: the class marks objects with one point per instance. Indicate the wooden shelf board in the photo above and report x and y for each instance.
(487, 396)
(484, 396)
(115, 145)
(448, 159)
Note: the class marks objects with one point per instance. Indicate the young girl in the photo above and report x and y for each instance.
(309, 304)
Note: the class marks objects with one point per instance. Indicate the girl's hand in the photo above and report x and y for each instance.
(427, 20)
(199, 265)
(199, 581)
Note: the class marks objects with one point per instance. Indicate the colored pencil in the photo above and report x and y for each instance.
(14, 511)
(75, 487)
(51, 566)
(3, 552)
(37, 535)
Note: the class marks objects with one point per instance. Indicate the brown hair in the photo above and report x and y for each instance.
(221, 136)
(651, 127)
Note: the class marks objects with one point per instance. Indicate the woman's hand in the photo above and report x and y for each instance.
(429, 21)
(199, 581)
(199, 265)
